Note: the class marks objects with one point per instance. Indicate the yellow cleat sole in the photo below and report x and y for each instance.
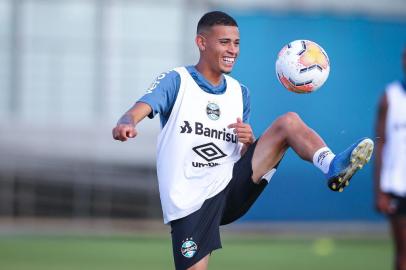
(359, 157)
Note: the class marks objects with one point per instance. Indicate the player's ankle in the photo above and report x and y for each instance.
(322, 159)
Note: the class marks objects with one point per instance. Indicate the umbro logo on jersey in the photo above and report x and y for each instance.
(209, 151)
(200, 130)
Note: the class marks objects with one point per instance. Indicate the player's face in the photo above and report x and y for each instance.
(222, 47)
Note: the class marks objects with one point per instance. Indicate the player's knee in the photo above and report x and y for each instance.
(288, 120)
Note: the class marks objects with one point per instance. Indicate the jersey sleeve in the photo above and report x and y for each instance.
(162, 93)
(246, 103)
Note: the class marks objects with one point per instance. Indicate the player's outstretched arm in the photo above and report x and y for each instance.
(125, 127)
(244, 134)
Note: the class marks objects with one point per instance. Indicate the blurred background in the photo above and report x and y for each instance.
(70, 68)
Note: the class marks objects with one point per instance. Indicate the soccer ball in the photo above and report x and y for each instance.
(302, 66)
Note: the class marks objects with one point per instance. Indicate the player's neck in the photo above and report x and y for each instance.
(214, 78)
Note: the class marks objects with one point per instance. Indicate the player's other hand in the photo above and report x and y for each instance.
(384, 203)
(243, 131)
(123, 132)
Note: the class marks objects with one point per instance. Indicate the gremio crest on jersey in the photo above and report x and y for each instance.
(213, 111)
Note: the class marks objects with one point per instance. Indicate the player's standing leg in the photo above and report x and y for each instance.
(201, 265)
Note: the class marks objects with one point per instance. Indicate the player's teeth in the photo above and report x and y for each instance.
(230, 60)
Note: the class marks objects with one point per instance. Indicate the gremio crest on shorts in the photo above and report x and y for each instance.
(213, 111)
(189, 248)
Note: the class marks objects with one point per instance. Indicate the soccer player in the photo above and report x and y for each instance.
(390, 162)
(210, 167)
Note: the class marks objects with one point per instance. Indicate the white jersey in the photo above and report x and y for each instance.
(393, 173)
(196, 151)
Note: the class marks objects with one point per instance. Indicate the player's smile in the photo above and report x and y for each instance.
(229, 61)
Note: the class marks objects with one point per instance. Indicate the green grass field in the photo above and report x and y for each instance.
(154, 253)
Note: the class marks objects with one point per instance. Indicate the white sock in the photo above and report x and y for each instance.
(322, 159)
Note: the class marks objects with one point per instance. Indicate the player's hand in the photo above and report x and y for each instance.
(243, 131)
(123, 132)
(384, 203)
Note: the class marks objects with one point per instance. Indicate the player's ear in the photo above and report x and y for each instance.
(200, 42)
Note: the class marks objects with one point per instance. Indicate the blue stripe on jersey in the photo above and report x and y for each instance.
(162, 93)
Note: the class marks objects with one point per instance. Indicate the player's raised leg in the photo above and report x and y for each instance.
(286, 131)
(290, 131)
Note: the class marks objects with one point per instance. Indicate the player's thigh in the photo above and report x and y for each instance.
(271, 147)
(242, 192)
(201, 265)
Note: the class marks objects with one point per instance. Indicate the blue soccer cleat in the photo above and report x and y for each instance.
(347, 163)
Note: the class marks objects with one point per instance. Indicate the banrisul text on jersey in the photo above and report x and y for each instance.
(200, 129)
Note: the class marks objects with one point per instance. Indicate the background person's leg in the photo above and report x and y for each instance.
(398, 224)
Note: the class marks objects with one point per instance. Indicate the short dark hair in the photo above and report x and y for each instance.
(215, 18)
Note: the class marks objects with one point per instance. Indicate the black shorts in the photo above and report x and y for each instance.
(399, 204)
(198, 234)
